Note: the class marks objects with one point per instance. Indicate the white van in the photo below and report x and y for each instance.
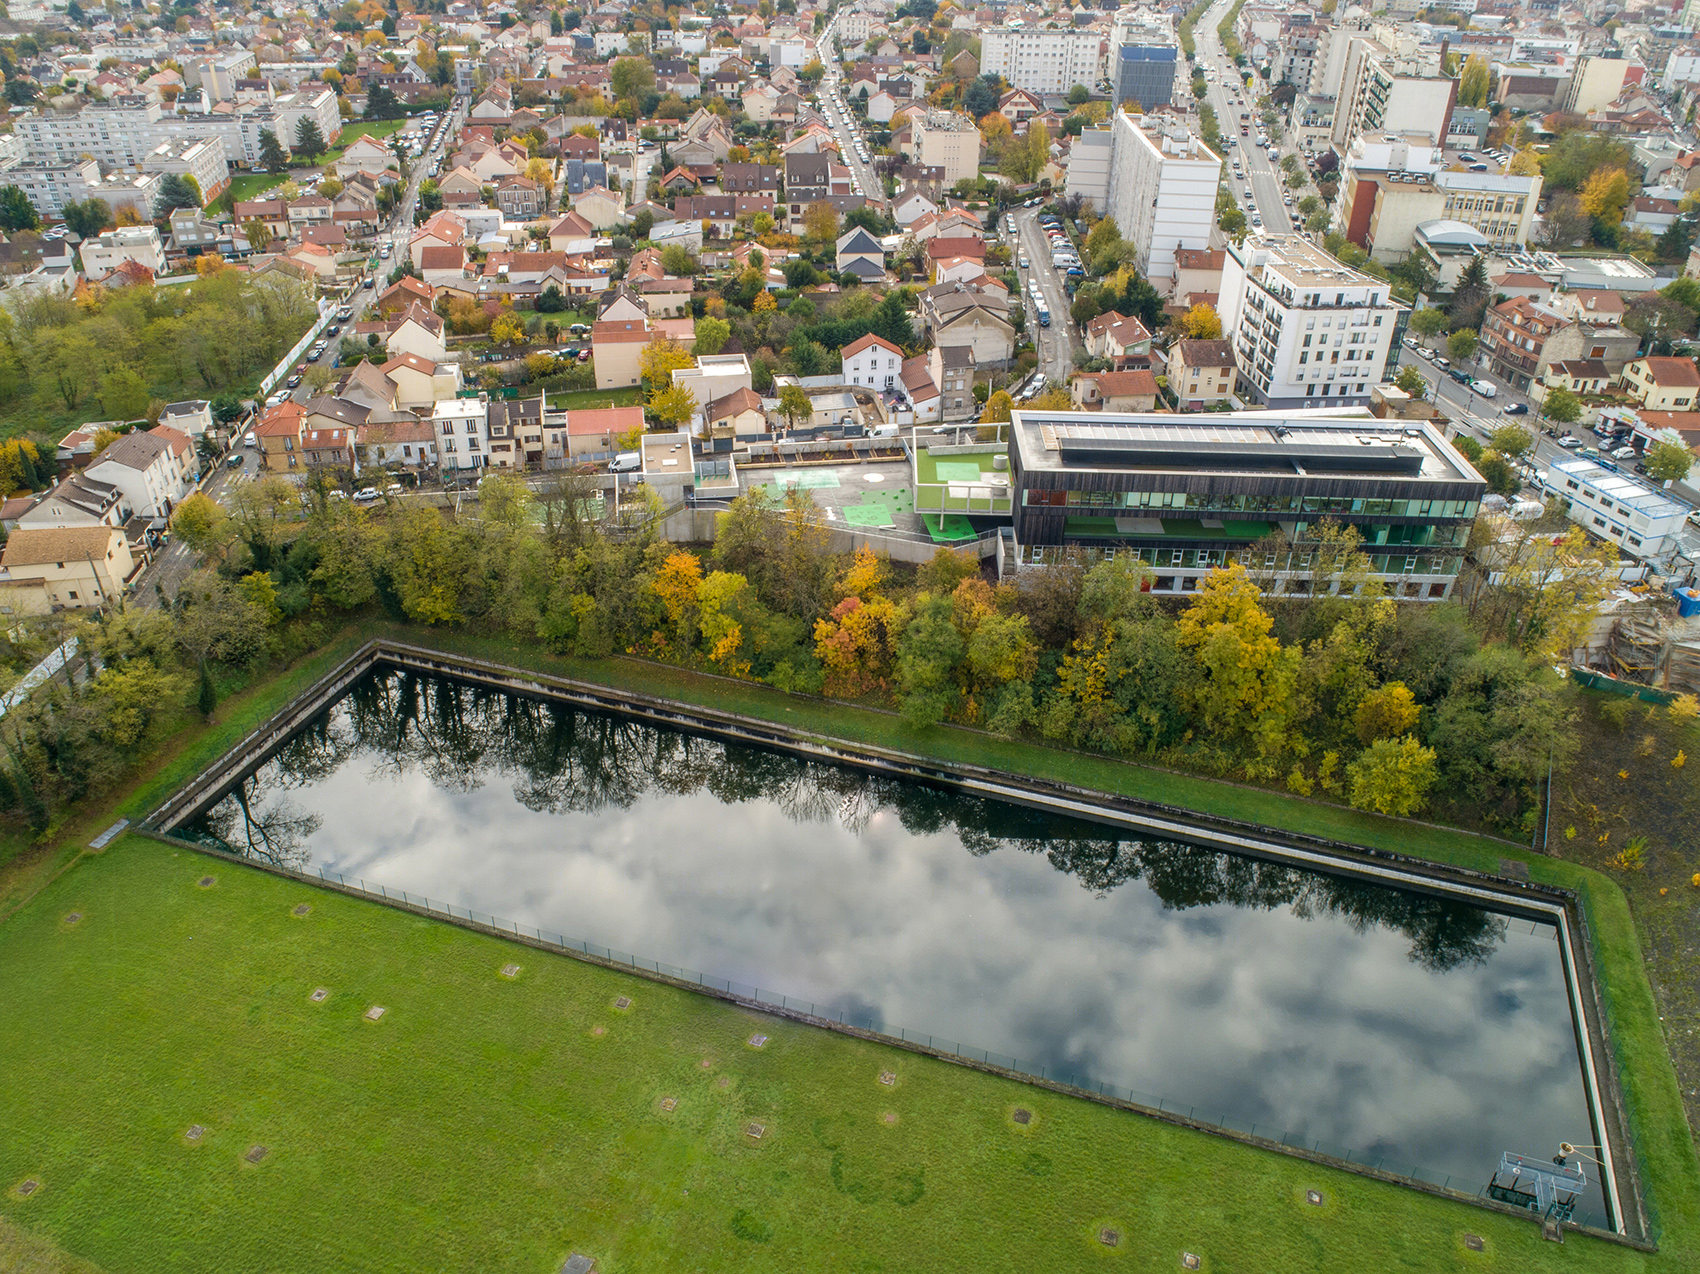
(1484, 389)
(883, 431)
(626, 462)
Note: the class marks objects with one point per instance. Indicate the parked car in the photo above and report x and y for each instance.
(233, 460)
(248, 439)
(293, 381)
(1570, 442)
(1516, 409)
(366, 495)
(1623, 453)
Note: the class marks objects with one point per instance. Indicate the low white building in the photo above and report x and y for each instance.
(714, 377)
(1622, 510)
(872, 360)
(106, 252)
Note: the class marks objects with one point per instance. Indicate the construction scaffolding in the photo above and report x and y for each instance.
(1651, 646)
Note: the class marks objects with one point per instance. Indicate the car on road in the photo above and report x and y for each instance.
(1440, 361)
(384, 252)
(366, 495)
(248, 439)
(1623, 453)
(1516, 409)
(293, 381)
(1570, 442)
(1482, 387)
(1412, 343)
(233, 460)
(277, 399)
(1022, 261)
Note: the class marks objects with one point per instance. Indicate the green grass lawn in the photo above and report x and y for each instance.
(500, 1124)
(584, 399)
(378, 129)
(246, 186)
(482, 1124)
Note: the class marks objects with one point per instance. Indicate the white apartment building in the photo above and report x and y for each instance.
(201, 158)
(218, 75)
(1043, 60)
(947, 140)
(463, 436)
(1382, 92)
(1308, 331)
(106, 252)
(1089, 167)
(124, 132)
(1162, 194)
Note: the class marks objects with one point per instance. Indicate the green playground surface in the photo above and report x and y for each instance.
(880, 508)
(957, 471)
(948, 529)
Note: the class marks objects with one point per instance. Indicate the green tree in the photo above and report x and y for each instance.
(273, 157)
(1428, 321)
(1562, 406)
(175, 191)
(258, 233)
(1511, 441)
(1668, 461)
(795, 405)
(712, 334)
(207, 698)
(1470, 297)
(87, 217)
(929, 649)
(1460, 345)
(1079, 95)
(309, 141)
(381, 103)
(1393, 776)
(123, 394)
(632, 77)
(676, 259)
(202, 523)
(16, 211)
(1246, 675)
(1411, 381)
(1473, 81)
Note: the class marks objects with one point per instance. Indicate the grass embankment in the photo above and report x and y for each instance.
(375, 129)
(494, 1123)
(480, 1123)
(244, 187)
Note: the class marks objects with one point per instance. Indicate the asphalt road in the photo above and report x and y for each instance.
(866, 180)
(1056, 342)
(1262, 179)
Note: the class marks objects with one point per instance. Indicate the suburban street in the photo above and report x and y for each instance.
(1054, 343)
(867, 181)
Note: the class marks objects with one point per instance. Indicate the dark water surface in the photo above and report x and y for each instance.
(1388, 1022)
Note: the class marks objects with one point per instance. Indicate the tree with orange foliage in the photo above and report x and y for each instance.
(857, 645)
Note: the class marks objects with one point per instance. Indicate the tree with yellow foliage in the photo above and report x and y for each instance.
(543, 173)
(660, 359)
(1606, 195)
(1247, 678)
(676, 585)
(1202, 323)
(864, 576)
(994, 130)
(674, 405)
(998, 407)
(507, 329)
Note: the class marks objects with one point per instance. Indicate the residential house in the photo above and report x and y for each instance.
(419, 331)
(601, 207)
(957, 314)
(279, 436)
(330, 448)
(920, 387)
(364, 153)
(1521, 339)
(154, 469)
(461, 425)
(515, 430)
(594, 433)
(738, 414)
(404, 292)
(73, 567)
(1121, 339)
(1580, 376)
(1201, 373)
(79, 500)
(420, 383)
(871, 360)
(860, 254)
(1662, 384)
(519, 198)
(714, 377)
(438, 266)
(1134, 391)
(953, 370)
(192, 416)
(405, 443)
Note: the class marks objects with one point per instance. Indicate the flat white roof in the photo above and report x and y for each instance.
(1622, 488)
